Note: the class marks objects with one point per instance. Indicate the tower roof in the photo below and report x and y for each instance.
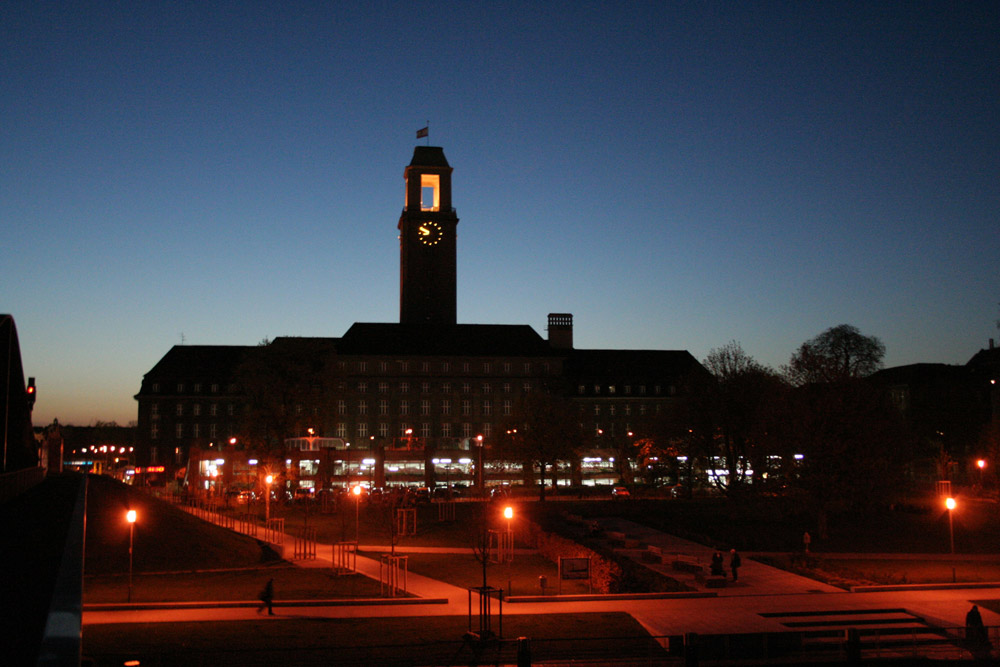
(429, 156)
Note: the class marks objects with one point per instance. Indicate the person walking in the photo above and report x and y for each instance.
(267, 598)
(734, 564)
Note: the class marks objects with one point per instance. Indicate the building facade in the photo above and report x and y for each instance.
(423, 401)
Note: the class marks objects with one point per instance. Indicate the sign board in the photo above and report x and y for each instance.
(574, 568)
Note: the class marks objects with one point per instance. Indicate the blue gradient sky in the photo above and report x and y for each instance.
(675, 175)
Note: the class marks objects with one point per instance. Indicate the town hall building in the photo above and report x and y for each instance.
(426, 401)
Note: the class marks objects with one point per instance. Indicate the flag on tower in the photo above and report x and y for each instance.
(422, 132)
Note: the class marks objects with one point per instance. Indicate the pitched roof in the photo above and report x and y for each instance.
(510, 340)
(199, 360)
(428, 156)
(630, 365)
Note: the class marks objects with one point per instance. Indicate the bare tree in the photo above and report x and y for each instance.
(730, 414)
(548, 431)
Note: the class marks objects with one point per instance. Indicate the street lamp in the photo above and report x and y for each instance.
(950, 504)
(479, 471)
(267, 497)
(130, 517)
(357, 504)
(508, 513)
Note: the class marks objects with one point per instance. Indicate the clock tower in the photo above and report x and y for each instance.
(427, 230)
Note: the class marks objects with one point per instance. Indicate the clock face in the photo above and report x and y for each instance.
(429, 232)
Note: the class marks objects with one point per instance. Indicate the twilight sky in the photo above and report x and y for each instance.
(676, 175)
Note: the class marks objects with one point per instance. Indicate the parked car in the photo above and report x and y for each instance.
(620, 492)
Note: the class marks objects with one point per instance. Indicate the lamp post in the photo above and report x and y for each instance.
(357, 512)
(508, 513)
(267, 497)
(950, 504)
(130, 517)
(479, 469)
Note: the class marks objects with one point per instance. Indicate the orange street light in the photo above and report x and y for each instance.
(130, 516)
(357, 504)
(267, 497)
(951, 504)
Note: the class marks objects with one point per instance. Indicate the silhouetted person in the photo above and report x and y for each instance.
(267, 598)
(734, 564)
(718, 569)
(975, 631)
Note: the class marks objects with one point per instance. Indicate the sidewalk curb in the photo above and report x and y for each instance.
(597, 597)
(249, 604)
(885, 588)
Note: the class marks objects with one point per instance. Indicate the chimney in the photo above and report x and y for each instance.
(561, 331)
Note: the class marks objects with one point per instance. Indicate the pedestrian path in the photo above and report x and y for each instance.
(755, 578)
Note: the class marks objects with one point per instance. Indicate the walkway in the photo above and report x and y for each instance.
(754, 578)
(765, 599)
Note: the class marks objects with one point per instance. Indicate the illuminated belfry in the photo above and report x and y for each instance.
(427, 231)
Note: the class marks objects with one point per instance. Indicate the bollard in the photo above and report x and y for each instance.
(523, 652)
(853, 646)
(691, 649)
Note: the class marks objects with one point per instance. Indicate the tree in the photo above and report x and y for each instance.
(851, 438)
(548, 431)
(280, 380)
(839, 353)
(731, 415)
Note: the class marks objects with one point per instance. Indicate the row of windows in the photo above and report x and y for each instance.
(361, 430)
(196, 388)
(422, 430)
(486, 367)
(425, 407)
(612, 410)
(404, 408)
(213, 409)
(383, 430)
(613, 389)
(195, 431)
(427, 387)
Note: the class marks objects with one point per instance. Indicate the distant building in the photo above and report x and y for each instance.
(400, 403)
(948, 407)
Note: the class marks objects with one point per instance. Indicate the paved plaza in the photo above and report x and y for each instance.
(765, 599)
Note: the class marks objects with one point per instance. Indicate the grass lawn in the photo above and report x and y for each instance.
(519, 577)
(301, 640)
(861, 571)
(290, 583)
